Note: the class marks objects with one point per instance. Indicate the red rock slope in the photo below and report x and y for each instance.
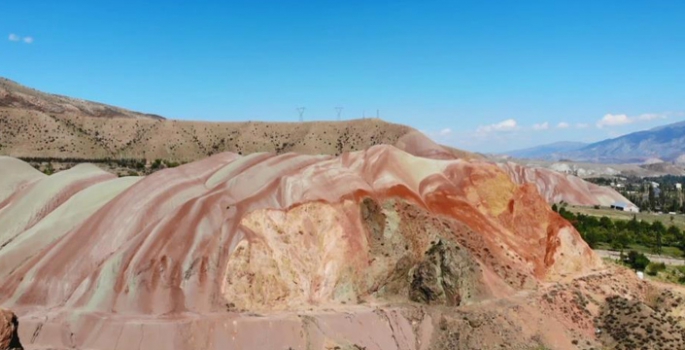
(555, 187)
(88, 254)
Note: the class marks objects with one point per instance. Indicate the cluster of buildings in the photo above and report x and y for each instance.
(629, 207)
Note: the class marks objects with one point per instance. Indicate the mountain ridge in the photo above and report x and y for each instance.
(546, 149)
(665, 142)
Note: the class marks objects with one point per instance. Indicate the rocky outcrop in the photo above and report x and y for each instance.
(438, 277)
(9, 340)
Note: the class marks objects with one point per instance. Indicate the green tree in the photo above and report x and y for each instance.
(594, 235)
(621, 240)
(654, 268)
(156, 164)
(637, 261)
(606, 223)
(652, 199)
(567, 215)
(673, 236)
(658, 230)
(674, 207)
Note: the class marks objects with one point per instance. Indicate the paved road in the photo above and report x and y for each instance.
(651, 257)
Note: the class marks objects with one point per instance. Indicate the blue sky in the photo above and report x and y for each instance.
(484, 76)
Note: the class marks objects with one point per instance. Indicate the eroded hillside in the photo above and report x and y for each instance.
(402, 246)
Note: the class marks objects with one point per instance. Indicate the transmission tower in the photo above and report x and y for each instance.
(300, 110)
(338, 110)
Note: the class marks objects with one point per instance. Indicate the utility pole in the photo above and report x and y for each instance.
(300, 110)
(378, 114)
(339, 111)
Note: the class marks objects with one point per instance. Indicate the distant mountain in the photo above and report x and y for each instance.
(664, 142)
(547, 152)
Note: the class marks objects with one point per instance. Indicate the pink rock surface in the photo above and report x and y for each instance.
(557, 187)
(156, 262)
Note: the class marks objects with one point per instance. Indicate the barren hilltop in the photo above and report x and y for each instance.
(39, 125)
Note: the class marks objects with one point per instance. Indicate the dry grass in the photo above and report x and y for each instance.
(26, 133)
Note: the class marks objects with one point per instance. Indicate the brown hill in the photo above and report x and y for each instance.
(39, 125)
(14, 95)
(42, 125)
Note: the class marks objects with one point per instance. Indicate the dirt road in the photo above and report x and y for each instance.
(651, 257)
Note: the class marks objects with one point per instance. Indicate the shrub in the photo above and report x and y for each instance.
(157, 164)
(654, 268)
(637, 261)
(680, 272)
(49, 170)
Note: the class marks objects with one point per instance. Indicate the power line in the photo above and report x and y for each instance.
(339, 111)
(300, 110)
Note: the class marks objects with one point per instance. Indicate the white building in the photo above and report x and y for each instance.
(678, 186)
(625, 207)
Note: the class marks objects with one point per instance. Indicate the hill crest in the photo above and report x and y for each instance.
(15, 95)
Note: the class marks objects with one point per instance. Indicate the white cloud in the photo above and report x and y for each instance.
(613, 120)
(651, 116)
(542, 126)
(15, 37)
(562, 125)
(442, 135)
(622, 119)
(505, 125)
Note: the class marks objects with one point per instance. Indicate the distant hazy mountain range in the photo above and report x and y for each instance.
(548, 151)
(664, 143)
